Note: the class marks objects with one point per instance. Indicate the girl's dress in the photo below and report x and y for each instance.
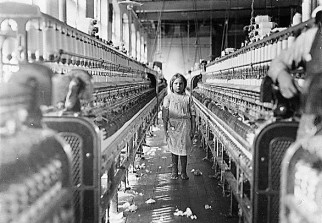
(181, 108)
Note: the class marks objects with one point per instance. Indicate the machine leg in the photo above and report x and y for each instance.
(139, 151)
(127, 182)
(114, 204)
(107, 215)
(233, 206)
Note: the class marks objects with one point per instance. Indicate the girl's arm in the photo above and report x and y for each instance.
(193, 117)
(165, 118)
(165, 115)
(193, 125)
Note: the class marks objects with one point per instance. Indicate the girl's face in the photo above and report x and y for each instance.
(178, 86)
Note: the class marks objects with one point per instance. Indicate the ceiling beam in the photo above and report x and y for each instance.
(207, 14)
(216, 11)
(218, 5)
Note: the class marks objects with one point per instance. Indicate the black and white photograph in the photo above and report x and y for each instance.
(160, 111)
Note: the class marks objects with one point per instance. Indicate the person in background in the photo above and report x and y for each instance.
(306, 51)
(178, 114)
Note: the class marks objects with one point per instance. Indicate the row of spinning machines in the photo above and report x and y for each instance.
(72, 119)
(249, 132)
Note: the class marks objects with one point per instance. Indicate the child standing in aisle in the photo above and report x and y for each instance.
(178, 116)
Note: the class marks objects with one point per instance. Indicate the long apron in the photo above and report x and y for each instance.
(179, 122)
(179, 135)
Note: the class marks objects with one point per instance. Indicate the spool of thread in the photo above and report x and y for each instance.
(257, 55)
(269, 52)
(86, 49)
(274, 50)
(72, 42)
(76, 43)
(262, 54)
(284, 43)
(80, 61)
(63, 45)
(59, 37)
(278, 47)
(9, 44)
(70, 46)
(306, 10)
(297, 19)
(290, 41)
(33, 36)
(9, 48)
(49, 44)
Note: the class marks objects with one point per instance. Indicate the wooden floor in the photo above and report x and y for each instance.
(152, 181)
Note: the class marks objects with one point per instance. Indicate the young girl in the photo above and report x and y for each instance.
(178, 115)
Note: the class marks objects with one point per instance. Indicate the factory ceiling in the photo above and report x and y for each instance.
(204, 12)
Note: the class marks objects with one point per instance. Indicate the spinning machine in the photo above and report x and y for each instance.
(81, 142)
(247, 127)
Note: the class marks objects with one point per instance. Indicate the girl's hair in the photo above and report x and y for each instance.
(176, 76)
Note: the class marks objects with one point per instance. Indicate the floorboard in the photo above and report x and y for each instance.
(154, 182)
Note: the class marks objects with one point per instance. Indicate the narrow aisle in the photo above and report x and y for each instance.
(152, 181)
